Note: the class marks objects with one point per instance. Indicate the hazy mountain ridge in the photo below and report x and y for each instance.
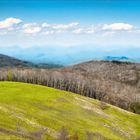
(121, 58)
(7, 61)
(66, 56)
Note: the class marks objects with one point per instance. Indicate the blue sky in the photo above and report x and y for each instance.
(106, 23)
(86, 11)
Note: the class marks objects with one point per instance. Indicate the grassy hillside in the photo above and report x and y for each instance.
(116, 83)
(36, 112)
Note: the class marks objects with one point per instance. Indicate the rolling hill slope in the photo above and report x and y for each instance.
(117, 83)
(37, 112)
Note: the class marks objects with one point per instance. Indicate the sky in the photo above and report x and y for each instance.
(67, 23)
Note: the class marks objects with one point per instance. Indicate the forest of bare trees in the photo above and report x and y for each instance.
(109, 91)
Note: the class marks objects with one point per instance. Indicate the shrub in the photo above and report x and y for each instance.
(9, 76)
(95, 136)
(63, 134)
(135, 107)
(103, 105)
(74, 137)
(89, 135)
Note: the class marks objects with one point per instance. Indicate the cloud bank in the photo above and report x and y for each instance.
(17, 32)
(118, 26)
(10, 25)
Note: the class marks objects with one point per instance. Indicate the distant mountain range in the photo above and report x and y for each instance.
(122, 58)
(7, 61)
(66, 56)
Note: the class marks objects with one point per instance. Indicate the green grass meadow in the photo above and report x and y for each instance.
(30, 111)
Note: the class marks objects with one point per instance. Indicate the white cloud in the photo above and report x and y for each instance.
(85, 30)
(49, 29)
(91, 30)
(12, 25)
(49, 32)
(9, 22)
(78, 31)
(60, 26)
(135, 31)
(118, 26)
(31, 28)
(65, 26)
(108, 33)
(3, 32)
(45, 25)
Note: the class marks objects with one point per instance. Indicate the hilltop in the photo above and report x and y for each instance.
(7, 61)
(37, 112)
(11, 62)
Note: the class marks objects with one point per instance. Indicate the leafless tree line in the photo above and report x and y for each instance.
(69, 81)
